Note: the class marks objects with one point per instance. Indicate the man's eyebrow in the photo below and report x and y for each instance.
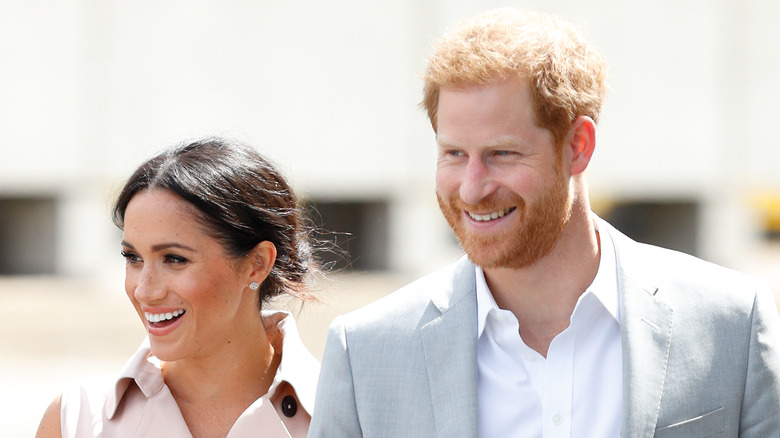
(442, 142)
(503, 142)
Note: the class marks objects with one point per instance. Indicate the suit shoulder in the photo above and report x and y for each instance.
(403, 306)
(682, 267)
(653, 264)
(683, 279)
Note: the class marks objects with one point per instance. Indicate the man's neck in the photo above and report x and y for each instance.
(542, 296)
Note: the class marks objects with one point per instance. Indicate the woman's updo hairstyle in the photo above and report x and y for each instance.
(240, 199)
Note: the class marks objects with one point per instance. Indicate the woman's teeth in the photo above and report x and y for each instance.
(157, 317)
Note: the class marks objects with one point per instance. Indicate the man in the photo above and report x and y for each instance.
(555, 324)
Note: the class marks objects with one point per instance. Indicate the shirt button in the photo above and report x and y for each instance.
(289, 406)
(557, 419)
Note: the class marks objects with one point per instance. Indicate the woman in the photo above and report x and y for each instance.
(211, 231)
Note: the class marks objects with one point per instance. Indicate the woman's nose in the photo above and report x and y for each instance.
(148, 285)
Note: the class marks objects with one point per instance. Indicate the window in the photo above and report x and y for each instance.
(28, 236)
(359, 230)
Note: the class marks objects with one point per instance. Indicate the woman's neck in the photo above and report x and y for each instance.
(214, 389)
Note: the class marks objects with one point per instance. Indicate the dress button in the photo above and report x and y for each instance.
(289, 406)
(557, 419)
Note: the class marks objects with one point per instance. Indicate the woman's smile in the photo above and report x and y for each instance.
(191, 296)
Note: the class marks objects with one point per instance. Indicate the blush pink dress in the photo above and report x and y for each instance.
(137, 402)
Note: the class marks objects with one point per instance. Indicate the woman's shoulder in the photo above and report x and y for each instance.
(90, 389)
(50, 423)
(98, 399)
(83, 402)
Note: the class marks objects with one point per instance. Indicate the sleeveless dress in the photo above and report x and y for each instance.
(136, 402)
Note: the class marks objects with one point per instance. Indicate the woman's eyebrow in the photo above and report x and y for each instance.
(162, 246)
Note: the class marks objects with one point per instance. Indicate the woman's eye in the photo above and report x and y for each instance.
(130, 257)
(171, 258)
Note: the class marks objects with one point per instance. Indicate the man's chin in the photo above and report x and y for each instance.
(486, 254)
(493, 261)
(504, 253)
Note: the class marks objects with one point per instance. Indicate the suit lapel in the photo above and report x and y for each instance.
(450, 346)
(646, 333)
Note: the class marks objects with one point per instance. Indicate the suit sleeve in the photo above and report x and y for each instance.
(335, 410)
(761, 402)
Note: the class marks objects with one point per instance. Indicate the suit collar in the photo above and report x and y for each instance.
(646, 332)
(450, 348)
(449, 341)
(460, 282)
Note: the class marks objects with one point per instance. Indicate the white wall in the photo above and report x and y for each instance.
(329, 91)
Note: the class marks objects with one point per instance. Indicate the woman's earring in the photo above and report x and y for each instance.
(254, 285)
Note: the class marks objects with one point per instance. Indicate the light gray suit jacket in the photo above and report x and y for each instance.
(701, 354)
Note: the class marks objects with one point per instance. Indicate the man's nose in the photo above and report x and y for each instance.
(477, 182)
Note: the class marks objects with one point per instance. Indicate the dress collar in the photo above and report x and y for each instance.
(297, 367)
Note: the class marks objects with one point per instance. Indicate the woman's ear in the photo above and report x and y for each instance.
(261, 260)
(581, 142)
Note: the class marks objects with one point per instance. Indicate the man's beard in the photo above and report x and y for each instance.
(539, 228)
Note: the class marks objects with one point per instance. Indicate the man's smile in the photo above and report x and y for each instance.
(491, 216)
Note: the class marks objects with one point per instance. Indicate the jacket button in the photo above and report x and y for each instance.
(289, 406)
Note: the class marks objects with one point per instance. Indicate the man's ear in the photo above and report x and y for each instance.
(580, 144)
(261, 260)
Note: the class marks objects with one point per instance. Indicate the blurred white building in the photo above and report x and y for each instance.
(687, 151)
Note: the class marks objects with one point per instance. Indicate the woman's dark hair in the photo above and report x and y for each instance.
(240, 199)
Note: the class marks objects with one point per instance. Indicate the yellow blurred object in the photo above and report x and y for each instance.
(768, 205)
(602, 206)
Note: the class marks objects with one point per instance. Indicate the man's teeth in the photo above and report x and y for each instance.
(157, 317)
(490, 216)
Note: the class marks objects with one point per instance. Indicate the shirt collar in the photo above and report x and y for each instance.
(604, 286)
(485, 301)
(297, 367)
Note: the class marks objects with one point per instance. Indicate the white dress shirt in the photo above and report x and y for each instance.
(577, 390)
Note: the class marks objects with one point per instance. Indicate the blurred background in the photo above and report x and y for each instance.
(687, 153)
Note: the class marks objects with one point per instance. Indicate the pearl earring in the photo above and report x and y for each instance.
(254, 285)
